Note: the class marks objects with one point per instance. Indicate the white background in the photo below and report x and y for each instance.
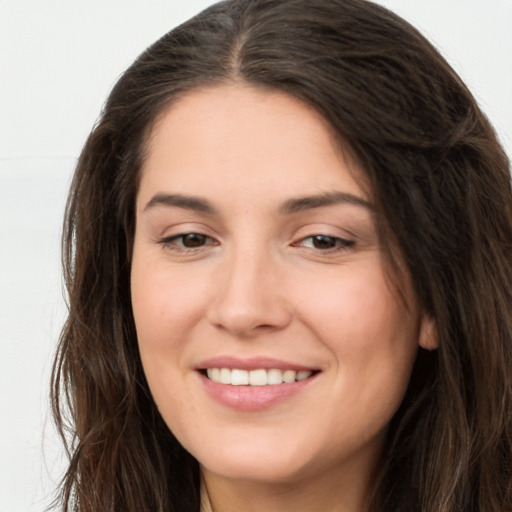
(58, 60)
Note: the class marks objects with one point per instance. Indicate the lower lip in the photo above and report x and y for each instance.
(253, 398)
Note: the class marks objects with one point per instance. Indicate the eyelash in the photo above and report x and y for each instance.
(339, 244)
(170, 242)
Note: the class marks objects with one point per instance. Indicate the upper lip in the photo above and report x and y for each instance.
(252, 363)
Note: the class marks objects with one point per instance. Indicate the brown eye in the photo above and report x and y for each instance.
(192, 240)
(325, 242)
(187, 241)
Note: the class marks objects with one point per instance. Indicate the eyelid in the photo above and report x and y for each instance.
(182, 227)
(169, 242)
(340, 242)
(338, 230)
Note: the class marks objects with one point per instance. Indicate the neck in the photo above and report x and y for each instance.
(324, 493)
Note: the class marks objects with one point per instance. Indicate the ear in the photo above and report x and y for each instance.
(428, 335)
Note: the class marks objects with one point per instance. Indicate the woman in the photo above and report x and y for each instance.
(288, 257)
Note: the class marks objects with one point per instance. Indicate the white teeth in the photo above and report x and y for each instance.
(239, 377)
(260, 377)
(225, 376)
(289, 376)
(302, 375)
(274, 377)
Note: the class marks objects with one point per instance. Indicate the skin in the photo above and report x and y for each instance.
(257, 284)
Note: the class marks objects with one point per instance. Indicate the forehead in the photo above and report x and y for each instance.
(247, 138)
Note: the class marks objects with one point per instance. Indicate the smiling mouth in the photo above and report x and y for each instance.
(257, 377)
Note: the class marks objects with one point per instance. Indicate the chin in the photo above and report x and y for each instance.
(258, 463)
(263, 471)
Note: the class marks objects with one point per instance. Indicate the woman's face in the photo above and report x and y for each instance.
(273, 344)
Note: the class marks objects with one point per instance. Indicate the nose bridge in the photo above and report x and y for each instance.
(249, 294)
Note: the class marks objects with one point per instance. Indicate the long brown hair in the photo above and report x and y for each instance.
(442, 189)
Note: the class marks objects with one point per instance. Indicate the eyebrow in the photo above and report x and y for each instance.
(300, 204)
(289, 207)
(181, 201)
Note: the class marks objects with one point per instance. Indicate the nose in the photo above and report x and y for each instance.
(250, 297)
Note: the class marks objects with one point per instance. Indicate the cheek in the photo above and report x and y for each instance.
(371, 335)
(166, 303)
(358, 307)
(166, 309)
(159, 320)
